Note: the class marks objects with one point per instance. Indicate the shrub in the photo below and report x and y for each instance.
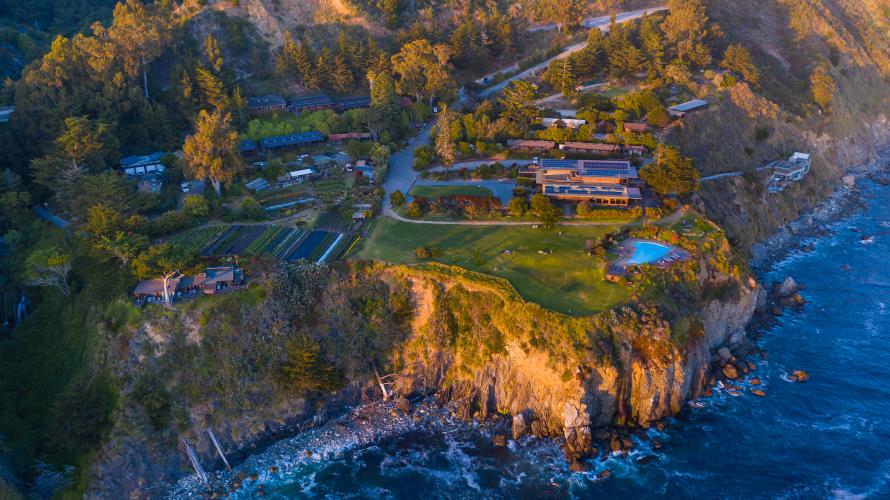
(414, 210)
(761, 134)
(196, 206)
(397, 198)
(251, 209)
(423, 155)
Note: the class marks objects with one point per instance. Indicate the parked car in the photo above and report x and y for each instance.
(186, 187)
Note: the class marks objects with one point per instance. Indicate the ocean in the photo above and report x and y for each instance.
(826, 438)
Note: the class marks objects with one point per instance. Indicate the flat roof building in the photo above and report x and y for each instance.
(605, 182)
(311, 103)
(247, 147)
(299, 140)
(531, 144)
(563, 122)
(591, 147)
(358, 102)
(636, 128)
(350, 136)
(266, 103)
(786, 172)
(681, 110)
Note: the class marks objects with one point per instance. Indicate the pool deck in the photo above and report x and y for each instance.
(626, 250)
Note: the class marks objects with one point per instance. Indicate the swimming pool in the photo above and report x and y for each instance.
(646, 252)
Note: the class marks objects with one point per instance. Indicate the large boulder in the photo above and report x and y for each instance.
(787, 288)
(724, 353)
(520, 425)
(576, 425)
(730, 372)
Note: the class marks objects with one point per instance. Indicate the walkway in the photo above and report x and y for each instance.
(727, 175)
(389, 212)
(598, 22)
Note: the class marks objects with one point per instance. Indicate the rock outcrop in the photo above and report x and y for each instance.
(572, 396)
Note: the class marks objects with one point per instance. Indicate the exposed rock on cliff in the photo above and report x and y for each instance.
(570, 376)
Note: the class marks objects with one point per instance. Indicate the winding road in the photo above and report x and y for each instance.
(401, 176)
(598, 22)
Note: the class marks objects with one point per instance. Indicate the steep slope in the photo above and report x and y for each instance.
(790, 39)
(272, 18)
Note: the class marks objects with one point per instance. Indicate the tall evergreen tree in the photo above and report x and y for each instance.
(342, 76)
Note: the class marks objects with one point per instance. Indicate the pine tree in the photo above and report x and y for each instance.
(213, 54)
(342, 76)
(324, 67)
(211, 90)
(652, 44)
(686, 30)
(739, 60)
(305, 62)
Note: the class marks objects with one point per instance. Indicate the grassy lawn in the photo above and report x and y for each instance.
(443, 191)
(334, 185)
(566, 280)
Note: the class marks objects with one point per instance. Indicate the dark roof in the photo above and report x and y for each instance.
(354, 102)
(311, 101)
(136, 160)
(266, 100)
(292, 139)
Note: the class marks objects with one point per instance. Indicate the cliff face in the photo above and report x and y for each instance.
(606, 376)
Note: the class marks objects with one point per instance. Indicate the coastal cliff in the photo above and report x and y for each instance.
(269, 362)
(572, 378)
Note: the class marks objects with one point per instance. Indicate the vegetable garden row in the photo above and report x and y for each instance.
(280, 242)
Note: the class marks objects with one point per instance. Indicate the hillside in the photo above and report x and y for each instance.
(261, 363)
(790, 39)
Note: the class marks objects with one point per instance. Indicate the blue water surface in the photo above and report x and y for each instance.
(827, 438)
(646, 252)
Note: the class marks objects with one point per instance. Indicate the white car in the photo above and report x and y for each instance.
(186, 187)
(536, 160)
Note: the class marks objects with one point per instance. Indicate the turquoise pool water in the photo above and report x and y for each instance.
(646, 252)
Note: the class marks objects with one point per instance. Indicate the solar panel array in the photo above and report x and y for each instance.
(305, 102)
(593, 168)
(586, 190)
(292, 139)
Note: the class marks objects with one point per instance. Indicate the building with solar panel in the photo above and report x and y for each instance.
(311, 103)
(292, 141)
(604, 182)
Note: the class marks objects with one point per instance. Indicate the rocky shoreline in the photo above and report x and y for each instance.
(844, 201)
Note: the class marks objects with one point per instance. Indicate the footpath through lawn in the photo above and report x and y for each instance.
(563, 278)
